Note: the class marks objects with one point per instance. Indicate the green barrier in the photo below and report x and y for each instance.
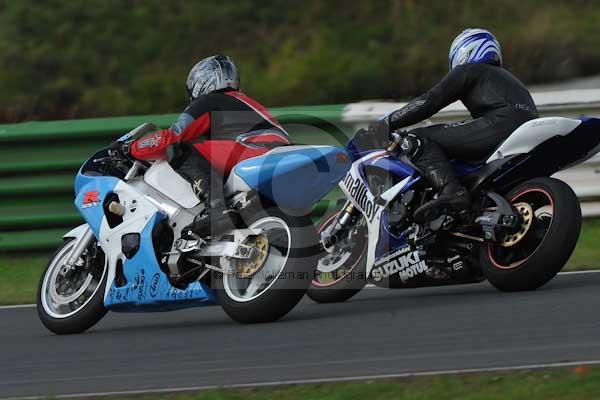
(33, 240)
(38, 162)
(33, 185)
(99, 127)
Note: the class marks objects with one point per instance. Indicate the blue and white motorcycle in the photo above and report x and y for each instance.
(524, 228)
(127, 256)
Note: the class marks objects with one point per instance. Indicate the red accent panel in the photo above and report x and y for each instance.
(256, 106)
(154, 146)
(267, 138)
(225, 154)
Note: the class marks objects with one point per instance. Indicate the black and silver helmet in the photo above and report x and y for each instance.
(212, 74)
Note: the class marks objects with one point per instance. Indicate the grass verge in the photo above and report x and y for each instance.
(581, 383)
(19, 274)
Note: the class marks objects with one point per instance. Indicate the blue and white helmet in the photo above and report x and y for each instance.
(475, 46)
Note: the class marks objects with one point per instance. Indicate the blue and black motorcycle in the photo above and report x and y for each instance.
(128, 255)
(524, 228)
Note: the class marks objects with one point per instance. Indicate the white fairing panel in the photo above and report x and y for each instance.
(235, 184)
(164, 179)
(532, 133)
(359, 194)
(138, 211)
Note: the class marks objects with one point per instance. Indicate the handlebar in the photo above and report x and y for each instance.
(101, 160)
(113, 156)
(395, 142)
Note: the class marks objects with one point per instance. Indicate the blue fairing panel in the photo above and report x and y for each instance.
(148, 288)
(90, 195)
(295, 176)
(463, 169)
(390, 163)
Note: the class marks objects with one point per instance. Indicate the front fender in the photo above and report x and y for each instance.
(76, 233)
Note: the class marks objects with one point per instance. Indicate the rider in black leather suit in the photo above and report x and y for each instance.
(497, 101)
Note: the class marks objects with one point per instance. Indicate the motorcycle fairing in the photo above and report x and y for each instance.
(556, 152)
(147, 285)
(162, 177)
(372, 207)
(143, 286)
(532, 133)
(294, 177)
(386, 162)
(90, 197)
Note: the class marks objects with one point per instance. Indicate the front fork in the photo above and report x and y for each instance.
(342, 220)
(84, 241)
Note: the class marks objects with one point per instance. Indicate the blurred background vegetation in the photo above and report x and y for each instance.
(71, 59)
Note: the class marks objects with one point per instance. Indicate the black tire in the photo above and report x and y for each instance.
(553, 248)
(343, 288)
(86, 317)
(290, 285)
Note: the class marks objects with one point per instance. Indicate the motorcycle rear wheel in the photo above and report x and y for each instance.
(267, 292)
(533, 255)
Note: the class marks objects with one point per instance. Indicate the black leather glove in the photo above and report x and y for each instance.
(380, 129)
(120, 150)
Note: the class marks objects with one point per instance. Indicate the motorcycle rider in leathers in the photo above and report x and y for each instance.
(220, 127)
(498, 102)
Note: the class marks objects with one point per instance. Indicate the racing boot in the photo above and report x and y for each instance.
(452, 196)
(216, 218)
(213, 221)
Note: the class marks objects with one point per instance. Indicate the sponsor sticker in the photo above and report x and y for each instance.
(407, 264)
(140, 285)
(456, 262)
(360, 193)
(149, 141)
(154, 282)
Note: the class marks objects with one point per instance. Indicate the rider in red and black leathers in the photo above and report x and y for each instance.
(220, 127)
(224, 127)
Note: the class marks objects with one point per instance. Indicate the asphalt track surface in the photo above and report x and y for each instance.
(379, 332)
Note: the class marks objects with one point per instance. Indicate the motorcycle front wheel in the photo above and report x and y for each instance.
(341, 271)
(71, 300)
